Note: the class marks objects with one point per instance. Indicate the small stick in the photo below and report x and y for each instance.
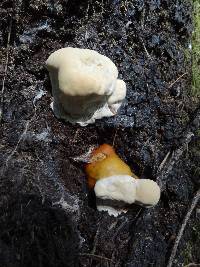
(162, 175)
(180, 233)
(145, 49)
(95, 256)
(164, 161)
(5, 70)
(96, 240)
(115, 135)
(192, 265)
(170, 86)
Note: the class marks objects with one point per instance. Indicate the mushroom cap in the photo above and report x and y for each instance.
(109, 166)
(147, 193)
(83, 72)
(117, 187)
(105, 163)
(119, 94)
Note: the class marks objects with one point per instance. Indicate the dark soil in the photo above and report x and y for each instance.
(148, 41)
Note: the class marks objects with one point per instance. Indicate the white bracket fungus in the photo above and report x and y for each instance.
(84, 85)
(123, 190)
(147, 192)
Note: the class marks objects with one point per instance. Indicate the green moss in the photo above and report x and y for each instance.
(184, 119)
(187, 254)
(196, 50)
(192, 247)
(194, 157)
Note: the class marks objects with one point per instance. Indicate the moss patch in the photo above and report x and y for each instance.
(196, 50)
(192, 248)
(187, 254)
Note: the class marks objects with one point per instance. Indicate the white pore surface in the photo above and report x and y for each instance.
(84, 85)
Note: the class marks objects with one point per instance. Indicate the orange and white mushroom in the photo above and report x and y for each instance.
(113, 180)
(104, 162)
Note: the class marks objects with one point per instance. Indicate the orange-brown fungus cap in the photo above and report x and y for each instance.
(104, 163)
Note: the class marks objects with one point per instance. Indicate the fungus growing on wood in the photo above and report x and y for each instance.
(114, 193)
(84, 85)
(147, 192)
(104, 162)
(115, 185)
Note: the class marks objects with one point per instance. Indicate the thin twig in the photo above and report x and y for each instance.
(170, 86)
(192, 265)
(5, 70)
(114, 138)
(95, 256)
(87, 10)
(145, 49)
(162, 175)
(180, 234)
(162, 164)
(119, 228)
(143, 18)
(95, 240)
